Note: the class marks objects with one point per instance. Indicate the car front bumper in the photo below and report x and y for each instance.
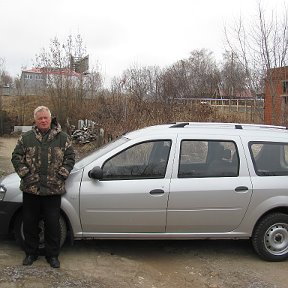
(7, 211)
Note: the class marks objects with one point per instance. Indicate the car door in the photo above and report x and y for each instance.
(210, 187)
(132, 196)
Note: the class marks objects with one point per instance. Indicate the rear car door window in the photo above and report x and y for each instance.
(208, 158)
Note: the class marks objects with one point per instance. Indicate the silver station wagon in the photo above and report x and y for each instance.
(176, 181)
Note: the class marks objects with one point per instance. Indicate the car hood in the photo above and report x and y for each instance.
(12, 184)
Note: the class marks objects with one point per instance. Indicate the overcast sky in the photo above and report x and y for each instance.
(120, 33)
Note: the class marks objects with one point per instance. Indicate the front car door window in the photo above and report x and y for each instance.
(141, 161)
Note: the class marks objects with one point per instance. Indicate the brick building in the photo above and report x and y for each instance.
(34, 81)
(276, 96)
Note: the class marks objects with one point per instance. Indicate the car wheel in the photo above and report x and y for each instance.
(19, 235)
(270, 237)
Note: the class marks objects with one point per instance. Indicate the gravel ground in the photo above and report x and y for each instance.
(153, 264)
(147, 264)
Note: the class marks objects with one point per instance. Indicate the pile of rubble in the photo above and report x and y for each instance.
(87, 135)
(87, 132)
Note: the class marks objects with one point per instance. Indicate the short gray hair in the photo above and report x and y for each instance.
(41, 108)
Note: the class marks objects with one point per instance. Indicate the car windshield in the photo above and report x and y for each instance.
(100, 152)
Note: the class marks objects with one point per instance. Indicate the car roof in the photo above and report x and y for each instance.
(210, 128)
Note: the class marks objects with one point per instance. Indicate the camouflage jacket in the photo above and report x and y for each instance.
(43, 162)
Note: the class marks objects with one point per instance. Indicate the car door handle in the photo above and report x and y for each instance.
(241, 188)
(156, 192)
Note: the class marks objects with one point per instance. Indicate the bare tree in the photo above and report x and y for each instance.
(66, 87)
(234, 79)
(204, 74)
(93, 84)
(141, 82)
(175, 81)
(261, 47)
(195, 77)
(138, 83)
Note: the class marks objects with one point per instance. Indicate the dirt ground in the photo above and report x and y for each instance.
(146, 264)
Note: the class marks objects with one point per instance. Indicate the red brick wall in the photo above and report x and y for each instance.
(274, 86)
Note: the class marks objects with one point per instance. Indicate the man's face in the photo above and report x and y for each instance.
(43, 120)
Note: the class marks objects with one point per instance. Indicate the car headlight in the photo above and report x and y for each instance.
(2, 192)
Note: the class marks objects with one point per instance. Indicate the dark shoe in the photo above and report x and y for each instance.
(29, 259)
(53, 261)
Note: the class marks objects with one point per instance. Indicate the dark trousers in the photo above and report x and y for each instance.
(48, 208)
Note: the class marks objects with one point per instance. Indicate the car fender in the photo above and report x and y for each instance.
(70, 201)
(254, 213)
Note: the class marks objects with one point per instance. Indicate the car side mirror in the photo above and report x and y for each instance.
(96, 173)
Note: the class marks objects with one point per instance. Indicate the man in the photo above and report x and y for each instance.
(43, 158)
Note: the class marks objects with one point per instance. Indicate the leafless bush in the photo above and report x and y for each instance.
(117, 114)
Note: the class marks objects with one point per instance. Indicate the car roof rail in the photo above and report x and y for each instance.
(191, 124)
(227, 125)
(264, 126)
(180, 125)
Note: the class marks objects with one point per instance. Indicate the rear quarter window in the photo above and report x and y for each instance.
(269, 158)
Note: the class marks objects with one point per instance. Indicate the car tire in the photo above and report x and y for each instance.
(19, 235)
(270, 237)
